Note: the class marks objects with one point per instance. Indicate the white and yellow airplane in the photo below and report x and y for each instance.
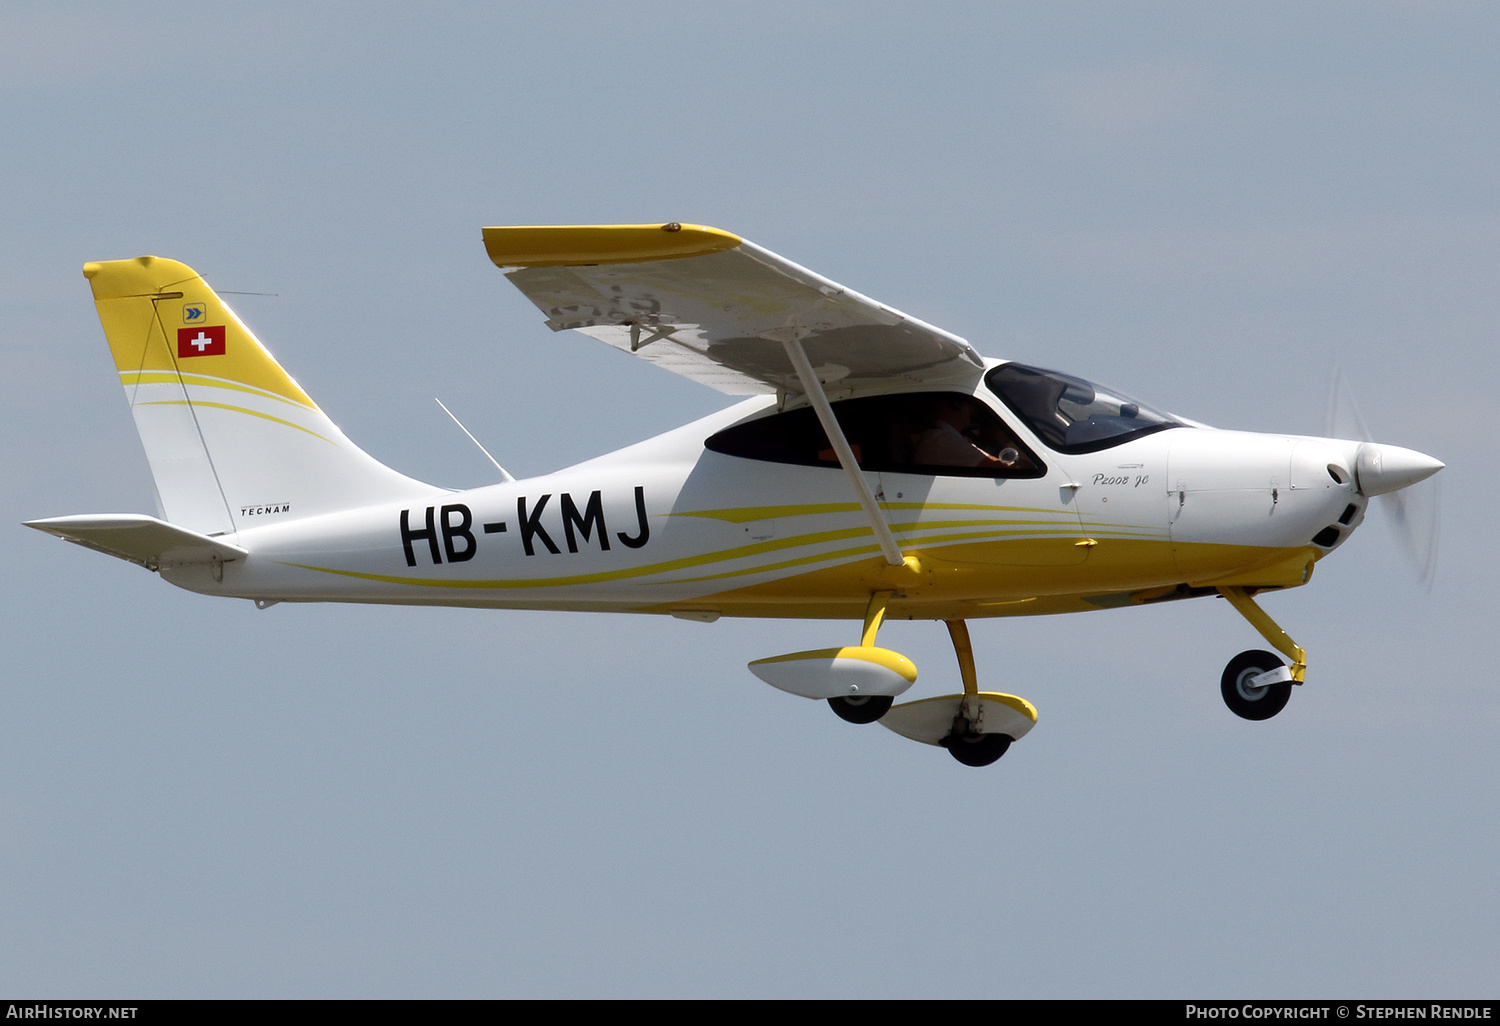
(881, 469)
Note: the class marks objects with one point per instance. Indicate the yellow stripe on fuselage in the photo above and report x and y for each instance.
(953, 581)
(748, 514)
(1026, 530)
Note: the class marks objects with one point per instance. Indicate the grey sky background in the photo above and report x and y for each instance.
(1206, 205)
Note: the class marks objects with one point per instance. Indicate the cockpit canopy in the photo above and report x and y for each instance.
(938, 433)
(1070, 414)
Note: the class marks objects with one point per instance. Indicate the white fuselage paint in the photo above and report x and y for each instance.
(1182, 486)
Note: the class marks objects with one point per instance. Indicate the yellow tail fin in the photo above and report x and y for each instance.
(232, 439)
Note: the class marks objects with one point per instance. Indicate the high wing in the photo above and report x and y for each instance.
(712, 307)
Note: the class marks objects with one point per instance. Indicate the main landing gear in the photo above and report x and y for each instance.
(1256, 684)
(976, 727)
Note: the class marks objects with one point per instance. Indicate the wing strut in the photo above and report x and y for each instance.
(813, 389)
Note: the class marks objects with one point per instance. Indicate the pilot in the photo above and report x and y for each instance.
(946, 442)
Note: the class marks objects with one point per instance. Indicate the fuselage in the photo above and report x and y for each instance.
(671, 525)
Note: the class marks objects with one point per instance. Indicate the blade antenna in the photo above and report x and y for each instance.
(505, 475)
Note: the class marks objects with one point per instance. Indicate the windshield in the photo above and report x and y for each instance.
(1070, 414)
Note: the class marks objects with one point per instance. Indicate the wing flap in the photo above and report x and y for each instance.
(717, 309)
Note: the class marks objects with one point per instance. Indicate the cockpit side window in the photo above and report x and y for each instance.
(946, 433)
(1070, 414)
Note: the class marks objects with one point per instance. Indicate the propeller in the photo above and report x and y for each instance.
(1402, 480)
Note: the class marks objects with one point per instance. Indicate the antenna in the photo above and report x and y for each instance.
(505, 475)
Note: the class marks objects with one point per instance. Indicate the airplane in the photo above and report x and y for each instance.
(879, 469)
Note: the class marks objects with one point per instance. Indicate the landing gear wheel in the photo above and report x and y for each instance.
(861, 708)
(977, 749)
(1248, 702)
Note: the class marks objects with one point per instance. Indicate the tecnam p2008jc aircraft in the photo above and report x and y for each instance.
(881, 469)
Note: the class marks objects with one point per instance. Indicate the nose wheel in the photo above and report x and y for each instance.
(1256, 684)
(1244, 696)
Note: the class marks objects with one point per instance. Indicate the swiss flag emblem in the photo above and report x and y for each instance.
(205, 341)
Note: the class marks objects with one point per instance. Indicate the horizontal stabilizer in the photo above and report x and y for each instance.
(145, 541)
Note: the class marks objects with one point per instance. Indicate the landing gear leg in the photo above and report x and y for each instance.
(976, 726)
(966, 744)
(1256, 685)
(866, 708)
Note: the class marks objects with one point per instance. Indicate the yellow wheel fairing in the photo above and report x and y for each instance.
(838, 672)
(885, 657)
(929, 720)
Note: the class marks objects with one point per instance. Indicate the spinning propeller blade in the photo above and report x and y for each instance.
(1401, 478)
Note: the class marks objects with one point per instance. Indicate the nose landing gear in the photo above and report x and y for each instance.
(1256, 684)
(1245, 697)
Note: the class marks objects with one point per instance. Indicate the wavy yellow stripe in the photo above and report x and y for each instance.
(1032, 529)
(1040, 533)
(722, 556)
(746, 514)
(936, 540)
(974, 505)
(155, 377)
(739, 552)
(1127, 534)
(237, 409)
(1067, 523)
(786, 564)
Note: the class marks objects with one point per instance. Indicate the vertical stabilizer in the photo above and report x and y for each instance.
(232, 440)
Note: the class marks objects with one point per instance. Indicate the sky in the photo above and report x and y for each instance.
(1210, 206)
